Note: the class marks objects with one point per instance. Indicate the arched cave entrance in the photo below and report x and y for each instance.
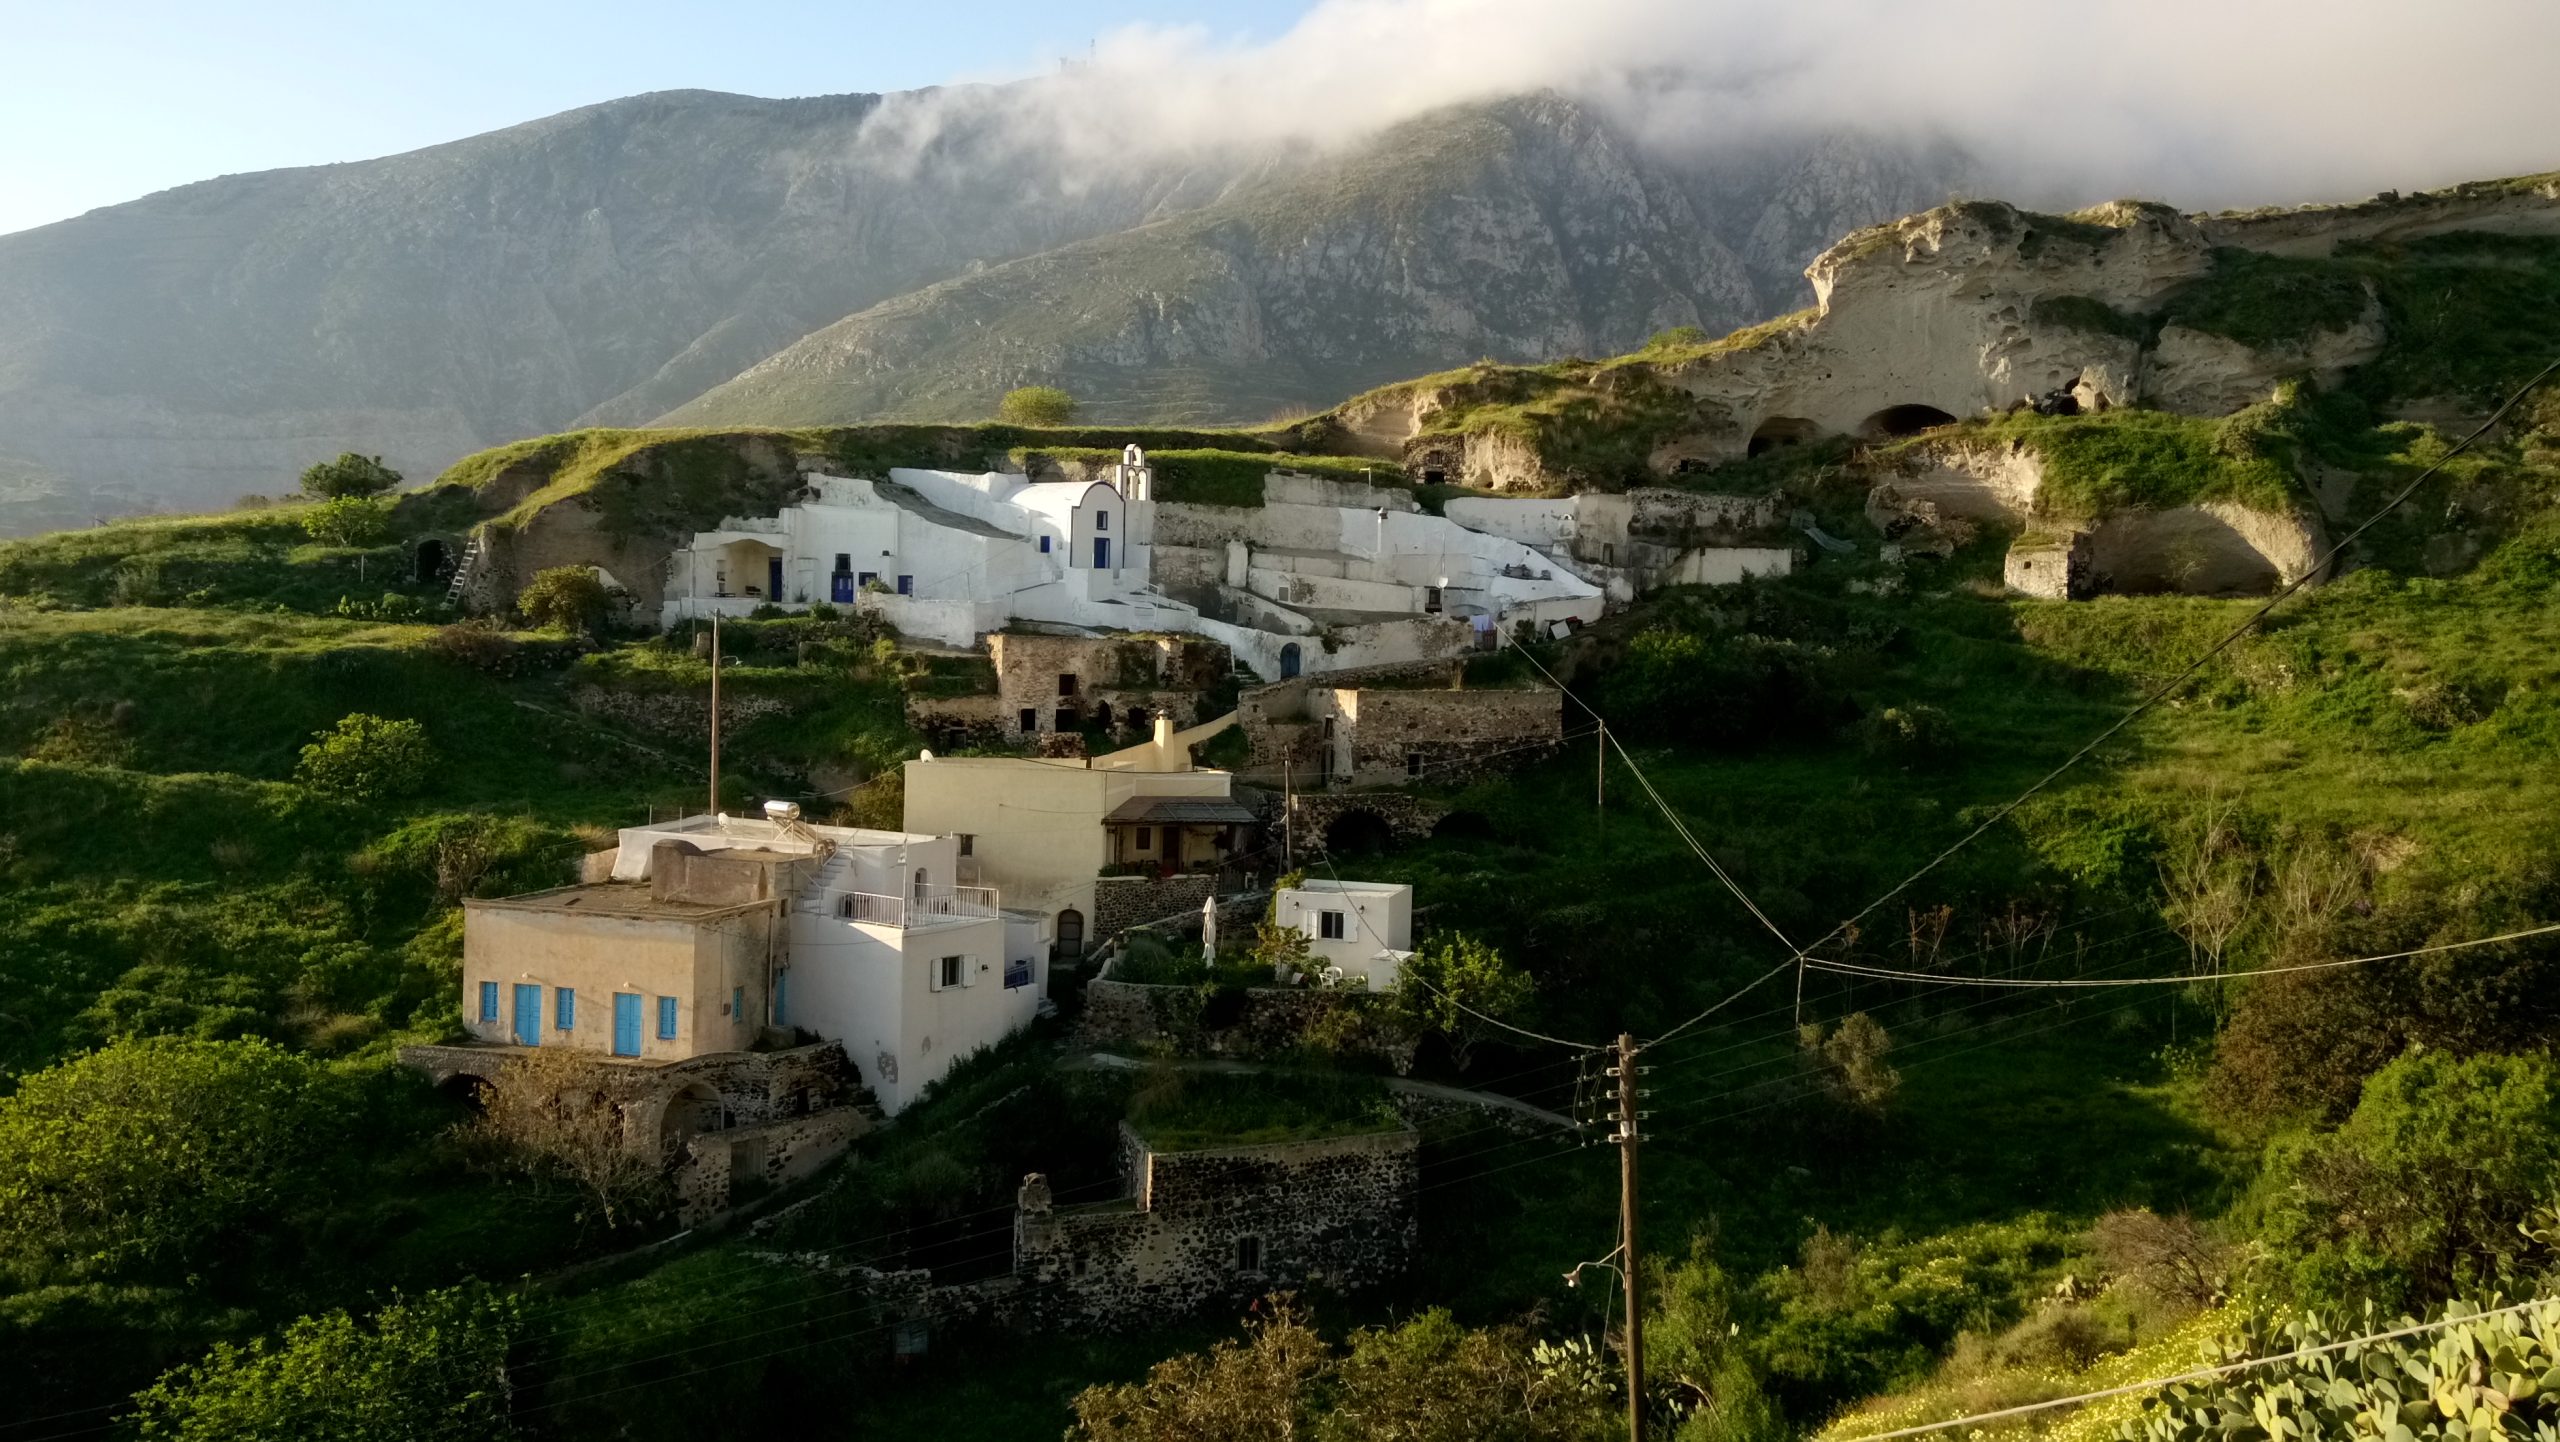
(469, 1092)
(1904, 420)
(1358, 833)
(433, 563)
(1779, 431)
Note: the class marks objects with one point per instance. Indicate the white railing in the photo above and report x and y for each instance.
(928, 908)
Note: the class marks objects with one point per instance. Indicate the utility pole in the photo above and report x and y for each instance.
(715, 713)
(1631, 1259)
(1288, 819)
(1600, 784)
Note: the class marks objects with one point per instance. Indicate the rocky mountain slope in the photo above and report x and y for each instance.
(608, 265)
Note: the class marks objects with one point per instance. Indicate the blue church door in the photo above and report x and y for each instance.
(626, 1021)
(1102, 553)
(528, 1014)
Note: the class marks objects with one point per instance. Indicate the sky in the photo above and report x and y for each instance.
(2199, 102)
(102, 101)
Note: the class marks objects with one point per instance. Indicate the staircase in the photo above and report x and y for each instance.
(812, 900)
(466, 571)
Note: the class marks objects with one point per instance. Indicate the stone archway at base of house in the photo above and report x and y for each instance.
(693, 1109)
(1909, 419)
(467, 1090)
(1778, 431)
(1405, 819)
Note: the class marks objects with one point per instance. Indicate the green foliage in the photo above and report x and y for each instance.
(350, 475)
(1189, 1111)
(1695, 1360)
(2088, 313)
(367, 758)
(567, 598)
(348, 521)
(140, 1153)
(1849, 1060)
(2124, 459)
(1461, 987)
(1721, 688)
(432, 1369)
(2421, 1195)
(1908, 734)
(1036, 406)
(2263, 300)
(2490, 1376)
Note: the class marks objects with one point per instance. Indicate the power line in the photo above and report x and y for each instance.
(1881, 974)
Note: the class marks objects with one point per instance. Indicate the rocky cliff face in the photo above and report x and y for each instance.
(611, 264)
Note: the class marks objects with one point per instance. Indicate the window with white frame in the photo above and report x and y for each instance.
(950, 971)
(1329, 926)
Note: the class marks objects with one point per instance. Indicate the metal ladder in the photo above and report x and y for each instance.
(465, 571)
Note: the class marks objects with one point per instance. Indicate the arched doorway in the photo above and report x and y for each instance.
(693, 1110)
(1779, 431)
(433, 563)
(1904, 420)
(1140, 719)
(1102, 714)
(919, 886)
(1358, 833)
(1070, 935)
(1289, 661)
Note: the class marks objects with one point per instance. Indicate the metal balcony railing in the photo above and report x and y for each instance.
(931, 907)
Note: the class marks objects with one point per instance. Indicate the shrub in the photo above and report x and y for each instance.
(429, 1370)
(2170, 1257)
(1908, 734)
(1036, 406)
(367, 758)
(2421, 1195)
(567, 598)
(1849, 1058)
(348, 521)
(349, 476)
(1459, 987)
(143, 1151)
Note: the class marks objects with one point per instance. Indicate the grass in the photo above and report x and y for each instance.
(1207, 1111)
(2129, 459)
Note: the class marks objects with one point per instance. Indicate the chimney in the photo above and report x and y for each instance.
(1164, 732)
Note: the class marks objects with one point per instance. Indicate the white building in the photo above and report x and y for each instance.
(941, 554)
(1362, 928)
(1300, 584)
(884, 951)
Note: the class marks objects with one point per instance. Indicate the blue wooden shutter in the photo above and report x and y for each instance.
(564, 1007)
(488, 1001)
(738, 1002)
(666, 1018)
(626, 1023)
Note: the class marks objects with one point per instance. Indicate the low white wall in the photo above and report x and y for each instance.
(953, 623)
(1332, 593)
(1724, 565)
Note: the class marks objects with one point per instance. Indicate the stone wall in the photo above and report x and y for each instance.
(1443, 738)
(1313, 816)
(1121, 902)
(677, 715)
(1245, 1023)
(1150, 675)
(1232, 1223)
(949, 723)
(716, 1165)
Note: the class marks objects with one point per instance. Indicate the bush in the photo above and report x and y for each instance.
(1036, 406)
(349, 476)
(567, 598)
(429, 1370)
(1908, 734)
(1459, 987)
(348, 521)
(144, 1151)
(2422, 1194)
(367, 758)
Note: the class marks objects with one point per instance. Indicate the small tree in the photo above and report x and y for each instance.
(429, 1370)
(348, 521)
(1254, 1391)
(350, 475)
(1458, 986)
(367, 758)
(1850, 1060)
(548, 1115)
(1036, 406)
(568, 598)
(143, 1151)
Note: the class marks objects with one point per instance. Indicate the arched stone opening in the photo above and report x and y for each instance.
(469, 1092)
(1102, 714)
(693, 1110)
(433, 561)
(1779, 431)
(1070, 943)
(1904, 420)
(1358, 833)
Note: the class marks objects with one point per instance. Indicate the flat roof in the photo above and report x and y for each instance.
(625, 900)
(1319, 884)
(1178, 811)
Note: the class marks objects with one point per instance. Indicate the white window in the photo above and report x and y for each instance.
(1329, 925)
(950, 971)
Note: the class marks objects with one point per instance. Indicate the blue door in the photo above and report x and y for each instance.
(840, 586)
(626, 1024)
(528, 1014)
(1102, 553)
(773, 578)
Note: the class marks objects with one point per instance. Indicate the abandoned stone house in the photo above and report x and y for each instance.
(1199, 1226)
(1050, 683)
(1395, 728)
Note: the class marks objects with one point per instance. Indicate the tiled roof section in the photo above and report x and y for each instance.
(1179, 811)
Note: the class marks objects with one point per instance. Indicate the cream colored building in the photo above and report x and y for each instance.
(718, 934)
(1041, 830)
(1362, 928)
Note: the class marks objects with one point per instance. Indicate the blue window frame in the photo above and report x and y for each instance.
(782, 997)
(866, 578)
(1044, 545)
(666, 1018)
(1102, 520)
(906, 585)
(738, 1002)
(488, 1001)
(564, 1008)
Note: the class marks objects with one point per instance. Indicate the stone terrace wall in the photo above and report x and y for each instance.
(1338, 1211)
(1458, 735)
(1121, 902)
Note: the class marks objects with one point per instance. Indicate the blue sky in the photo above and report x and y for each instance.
(105, 100)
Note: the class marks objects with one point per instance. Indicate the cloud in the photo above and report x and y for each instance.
(2201, 102)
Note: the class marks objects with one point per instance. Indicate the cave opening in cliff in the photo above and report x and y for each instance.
(1779, 431)
(1904, 420)
(432, 564)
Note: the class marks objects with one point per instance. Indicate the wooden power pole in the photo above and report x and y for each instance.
(715, 713)
(1631, 1259)
(1600, 784)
